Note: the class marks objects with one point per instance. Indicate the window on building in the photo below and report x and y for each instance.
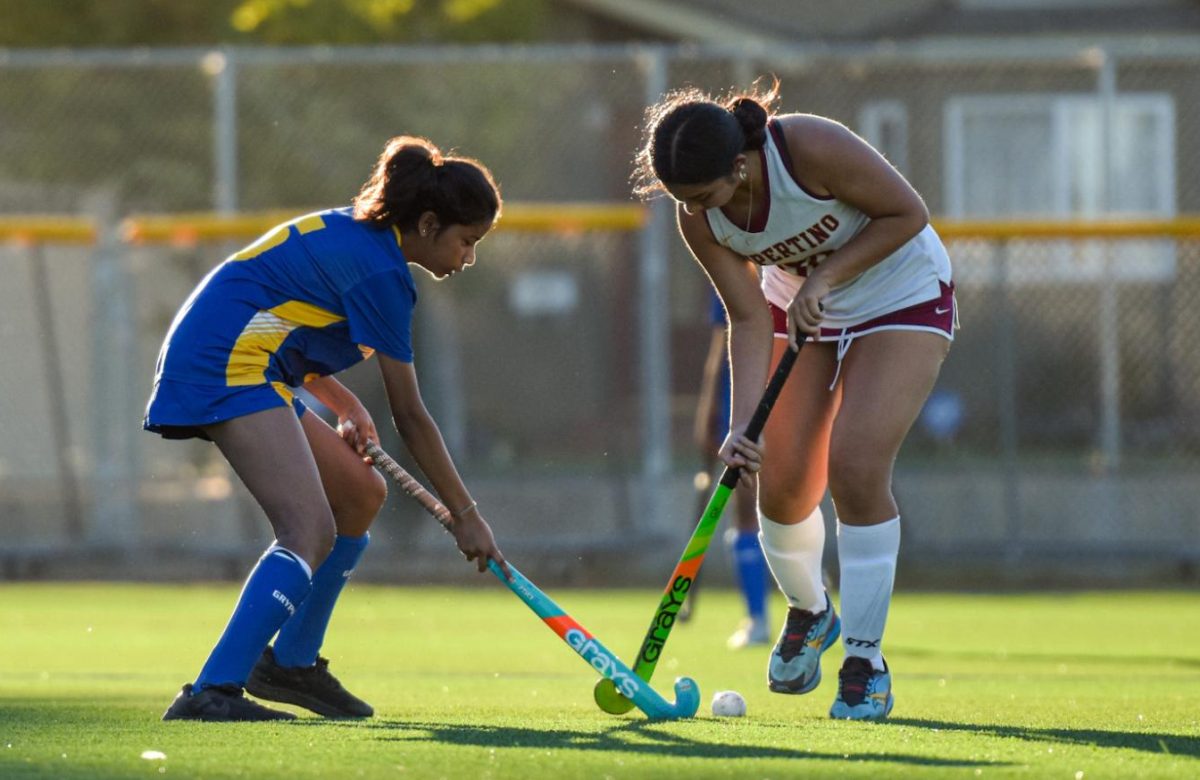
(1043, 157)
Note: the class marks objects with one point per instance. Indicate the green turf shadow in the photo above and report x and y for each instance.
(636, 738)
(1161, 744)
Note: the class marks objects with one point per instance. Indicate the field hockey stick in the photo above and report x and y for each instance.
(578, 638)
(606, 694)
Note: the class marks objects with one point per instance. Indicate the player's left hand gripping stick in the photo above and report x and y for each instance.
(578, 638)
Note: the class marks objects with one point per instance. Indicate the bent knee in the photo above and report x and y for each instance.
(863, 474)
(310, 535)
(356, 505)
(374, 493)
(857, 478)
(793, 501)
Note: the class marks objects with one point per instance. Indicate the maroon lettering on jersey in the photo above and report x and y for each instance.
(810, 238)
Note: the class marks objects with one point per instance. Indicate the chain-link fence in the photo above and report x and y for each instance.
(565, 366)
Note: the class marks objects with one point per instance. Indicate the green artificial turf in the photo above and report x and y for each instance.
(469, 683)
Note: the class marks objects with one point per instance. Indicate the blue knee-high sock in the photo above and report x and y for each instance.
(274, 590)
(301, 637)
(751, 568)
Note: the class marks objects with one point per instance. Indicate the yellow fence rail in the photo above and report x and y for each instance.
(534, 217)
(47, 229)
(1181, 227)
(191, 227)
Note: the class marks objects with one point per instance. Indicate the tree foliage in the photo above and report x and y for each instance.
(119, 23)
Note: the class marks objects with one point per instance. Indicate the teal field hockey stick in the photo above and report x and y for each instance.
(607, 695)
(632, 688)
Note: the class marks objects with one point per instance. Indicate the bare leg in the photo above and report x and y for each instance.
(886, 378)
(355, 490)
(793, 476)
(269, 452)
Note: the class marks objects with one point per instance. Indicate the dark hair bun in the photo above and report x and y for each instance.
(752, 117)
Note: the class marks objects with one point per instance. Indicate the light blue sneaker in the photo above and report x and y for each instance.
(752, 631)
(795, 665)
(864, 693)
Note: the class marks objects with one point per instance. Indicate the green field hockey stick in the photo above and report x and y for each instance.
(606, 694)
(578, 638)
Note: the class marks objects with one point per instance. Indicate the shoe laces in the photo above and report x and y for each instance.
(320, 670)
(800, 623)
(853, 679)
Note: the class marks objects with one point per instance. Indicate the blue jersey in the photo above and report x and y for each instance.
(310, 298)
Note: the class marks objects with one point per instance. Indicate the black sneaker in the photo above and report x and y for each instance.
(219, 702)
(311, 687)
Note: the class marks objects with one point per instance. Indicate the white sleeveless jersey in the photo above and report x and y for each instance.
(803, 229)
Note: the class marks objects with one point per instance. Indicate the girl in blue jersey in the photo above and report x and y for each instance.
(708, 432)
(850, 264)
(311, 298)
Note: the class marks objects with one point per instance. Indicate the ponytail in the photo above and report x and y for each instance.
(412, 176)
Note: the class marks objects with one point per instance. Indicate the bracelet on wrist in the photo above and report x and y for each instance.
(465, 509)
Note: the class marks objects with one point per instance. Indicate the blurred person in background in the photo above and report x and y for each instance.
(310, 298)
(708, 432)
(850, 263)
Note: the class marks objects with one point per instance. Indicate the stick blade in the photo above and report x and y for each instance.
(610, 699)
(687, 697)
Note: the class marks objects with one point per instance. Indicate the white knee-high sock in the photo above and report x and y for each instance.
(867, 556)
(794, 554)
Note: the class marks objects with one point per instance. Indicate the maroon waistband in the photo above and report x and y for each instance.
(935, 314)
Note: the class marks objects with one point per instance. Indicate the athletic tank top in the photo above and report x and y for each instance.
(802, 229)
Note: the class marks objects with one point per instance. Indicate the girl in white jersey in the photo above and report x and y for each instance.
(849, 263)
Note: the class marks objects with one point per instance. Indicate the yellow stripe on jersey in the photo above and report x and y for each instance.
(280, 234)
(284, 391)
(269, 241)
(263, 335)
(305, 314)
(309, 224)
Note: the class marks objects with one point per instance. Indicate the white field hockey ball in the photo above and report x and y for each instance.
(728, 704)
